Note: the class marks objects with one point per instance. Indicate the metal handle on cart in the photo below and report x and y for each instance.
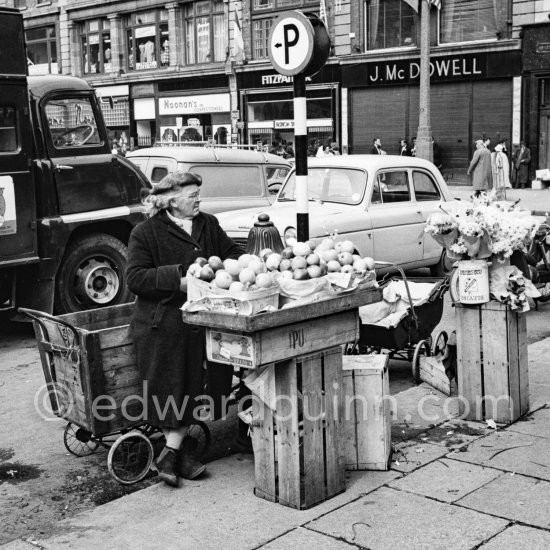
(39, 315)
(390, 264)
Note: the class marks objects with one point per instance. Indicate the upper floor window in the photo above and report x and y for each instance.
(42, 50)
(96, 47)
(260, 36)
(469, 20)
(147, 40)
(278, 4)
(21, 4)
(391, 24)
(205, 32)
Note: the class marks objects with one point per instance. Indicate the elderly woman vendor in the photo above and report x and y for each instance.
(170, 353)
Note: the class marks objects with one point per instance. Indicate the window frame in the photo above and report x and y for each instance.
(190, 15)
(102, 31)
(383, 172)
(14, 129)
(432, 179)
(49, 39)
(133, 23)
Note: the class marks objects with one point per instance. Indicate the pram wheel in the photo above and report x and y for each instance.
(422, 348)
(78, 441)
(130, 458)
(439, 343)
(197, 439)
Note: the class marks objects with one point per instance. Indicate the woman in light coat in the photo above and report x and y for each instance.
(501, 171)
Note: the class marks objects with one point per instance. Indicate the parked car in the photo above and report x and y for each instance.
(381, 203)
(231, 178)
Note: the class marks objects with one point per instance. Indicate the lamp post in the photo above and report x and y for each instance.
(424, 148)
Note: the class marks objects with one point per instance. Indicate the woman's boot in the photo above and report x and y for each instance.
(167, 466)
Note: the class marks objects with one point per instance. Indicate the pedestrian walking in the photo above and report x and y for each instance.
(169, 353)
(521, 161)
(501, 171)
(480, 168)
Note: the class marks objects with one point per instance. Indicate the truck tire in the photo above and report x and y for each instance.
(91, 274)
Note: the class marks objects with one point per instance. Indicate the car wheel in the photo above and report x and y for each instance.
(443, 267)
(92, 275)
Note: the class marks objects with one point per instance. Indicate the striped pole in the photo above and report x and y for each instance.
(300, 152)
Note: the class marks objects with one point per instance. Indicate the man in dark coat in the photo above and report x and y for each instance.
(481, 168)
(170, 353)
(520, 161)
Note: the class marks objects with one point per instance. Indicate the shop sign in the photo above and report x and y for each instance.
(235, 115)
(194, 104)
(193, 122)
(283, 124)
(543, 47)
(453, 67)
(240, 125)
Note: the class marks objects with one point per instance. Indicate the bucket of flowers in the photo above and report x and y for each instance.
(490, 231)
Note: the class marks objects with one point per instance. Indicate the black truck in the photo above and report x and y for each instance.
(67, 204)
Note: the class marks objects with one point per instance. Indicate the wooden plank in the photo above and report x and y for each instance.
(496, 383)
(351, 424)
(92, 319)
(114, 358)
(128, 375)
(313, 455)
(262, 321)
(115, 337)
(334, 422)
(288, 440)
(514, 410)
(523, 363)
(469, 374)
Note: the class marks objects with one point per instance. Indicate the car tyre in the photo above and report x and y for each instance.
(443, 267)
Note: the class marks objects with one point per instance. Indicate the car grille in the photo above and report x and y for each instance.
(242, 242)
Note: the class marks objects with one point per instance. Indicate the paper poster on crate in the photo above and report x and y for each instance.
(232, 349)
(8, 217)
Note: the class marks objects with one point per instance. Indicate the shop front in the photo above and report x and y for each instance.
(267, 109)
(473, 95)
(536, 103)
(115, 106)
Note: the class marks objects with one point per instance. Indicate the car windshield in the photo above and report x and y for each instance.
(340, 185)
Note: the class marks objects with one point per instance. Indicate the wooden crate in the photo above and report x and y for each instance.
(298, 458)
(367, 412)
(251, 350)
(90, 380)
(493, 375)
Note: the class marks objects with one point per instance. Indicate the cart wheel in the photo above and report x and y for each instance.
(422, 348)
(78, 441)
(130, 458)
(439, 343)
(197, 439)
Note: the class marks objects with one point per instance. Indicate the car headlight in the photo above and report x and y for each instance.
(290, 237)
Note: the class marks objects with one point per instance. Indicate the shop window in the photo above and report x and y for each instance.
(260, 36)
(205, 32)
(72, 123)
(42, 50)
(391, 24)
(8, 135)
(96, 47)
(147, 42)
(425, 188)
(469, 20)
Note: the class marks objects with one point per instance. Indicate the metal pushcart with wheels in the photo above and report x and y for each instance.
(93, 382)
(408, 335)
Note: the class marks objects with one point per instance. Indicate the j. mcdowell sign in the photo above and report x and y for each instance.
(446, 68)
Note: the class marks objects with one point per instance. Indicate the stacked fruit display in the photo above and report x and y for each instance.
(302, 261)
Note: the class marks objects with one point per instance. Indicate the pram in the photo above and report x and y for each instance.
(403, 322)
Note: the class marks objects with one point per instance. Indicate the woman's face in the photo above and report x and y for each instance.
(186, 203)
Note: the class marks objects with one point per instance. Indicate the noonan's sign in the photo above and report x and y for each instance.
(194, 104)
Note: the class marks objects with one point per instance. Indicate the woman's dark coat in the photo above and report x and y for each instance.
(169, 353)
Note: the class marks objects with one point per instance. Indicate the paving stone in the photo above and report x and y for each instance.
(537, 423)
(512, 452)
(515, 497)
(389, 519)
(519, 536)
(412, 454)
(455, 433)
(306, 539)
(447, 480)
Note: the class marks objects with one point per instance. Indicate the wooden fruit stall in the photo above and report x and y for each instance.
(299, 455)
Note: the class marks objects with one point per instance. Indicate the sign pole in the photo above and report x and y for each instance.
(300, 152)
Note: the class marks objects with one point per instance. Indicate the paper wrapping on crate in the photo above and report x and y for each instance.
(203, 296)
(262, 384)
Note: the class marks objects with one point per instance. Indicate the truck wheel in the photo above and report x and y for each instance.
(92, 275)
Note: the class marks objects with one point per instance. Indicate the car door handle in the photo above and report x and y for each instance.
(61, 167)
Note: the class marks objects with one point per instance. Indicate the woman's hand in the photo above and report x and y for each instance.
(183, 285)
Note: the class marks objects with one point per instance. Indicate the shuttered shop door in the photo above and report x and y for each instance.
(381, 113)
(492, 110)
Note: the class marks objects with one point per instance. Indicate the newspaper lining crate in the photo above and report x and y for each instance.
(493, 375)
(99, 371)
(299, 463)
(367, 412)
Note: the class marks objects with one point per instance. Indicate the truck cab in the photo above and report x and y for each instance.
(67, 204)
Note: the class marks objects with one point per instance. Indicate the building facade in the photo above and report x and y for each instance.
(199, 69)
